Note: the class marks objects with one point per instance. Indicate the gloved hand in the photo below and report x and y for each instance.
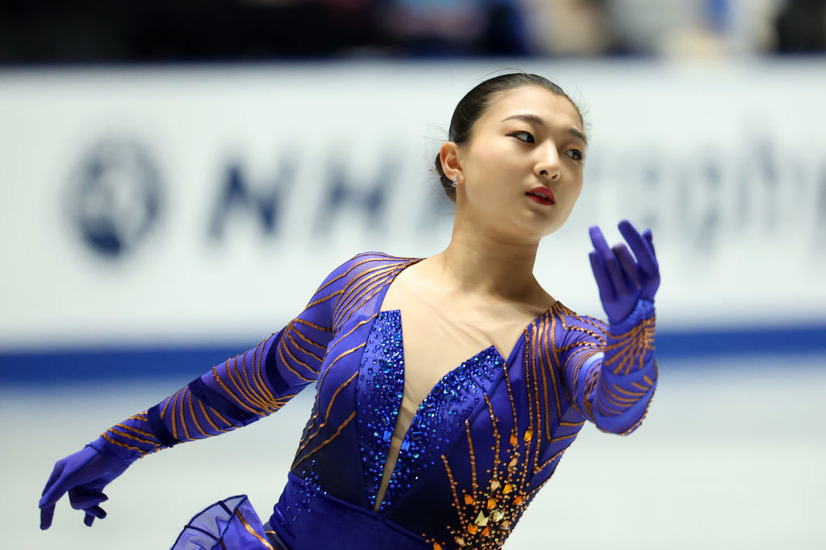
(621, 279)
(83, 475)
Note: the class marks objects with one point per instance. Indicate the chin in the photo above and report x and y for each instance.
(554, 226)
(539, 233)
(550, 231)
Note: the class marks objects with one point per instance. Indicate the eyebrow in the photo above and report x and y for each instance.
(533, 119)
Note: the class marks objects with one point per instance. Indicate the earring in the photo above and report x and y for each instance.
(455, 182)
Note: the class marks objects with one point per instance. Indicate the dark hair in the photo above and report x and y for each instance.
(473, 106)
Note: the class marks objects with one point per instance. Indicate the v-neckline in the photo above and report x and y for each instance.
(382, 294)
(506, 361)
(488, 358)
(483, 351)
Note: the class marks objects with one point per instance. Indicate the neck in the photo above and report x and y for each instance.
(485, 264)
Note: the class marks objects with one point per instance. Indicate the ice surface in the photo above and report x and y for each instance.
(731, 456)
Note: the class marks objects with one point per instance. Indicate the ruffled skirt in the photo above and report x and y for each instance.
(231, 524)
(305, 518)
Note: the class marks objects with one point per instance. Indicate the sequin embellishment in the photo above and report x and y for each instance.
(441, 417)
(381, 386)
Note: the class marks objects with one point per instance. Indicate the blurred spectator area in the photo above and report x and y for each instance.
(55, 31)
(157, 30)
(801, 27)
(36, 31)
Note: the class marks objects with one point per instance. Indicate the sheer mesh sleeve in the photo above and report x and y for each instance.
(240, 390)
(611, 375)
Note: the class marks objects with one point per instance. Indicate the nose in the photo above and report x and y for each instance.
(548, 165)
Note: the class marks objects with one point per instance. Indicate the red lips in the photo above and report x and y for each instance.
(542, 195)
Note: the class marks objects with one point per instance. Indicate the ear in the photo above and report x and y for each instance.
(450, 156)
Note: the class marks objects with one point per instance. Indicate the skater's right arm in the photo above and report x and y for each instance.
(232, 394)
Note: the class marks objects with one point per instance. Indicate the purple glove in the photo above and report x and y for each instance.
(83, 475)
(621, 279)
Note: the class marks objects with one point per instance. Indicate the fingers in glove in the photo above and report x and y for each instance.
(606, 290)
(51, 494)
(55, 475)
(643, 248)
(629, 265)
(46, 515)
(65, 475)
(82, 498)
(649, 238)
(644, 253)
(53, 490)
(92, 513)
(612, 266)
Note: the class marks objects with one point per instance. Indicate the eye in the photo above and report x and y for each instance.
(527, 137)
(575, 154)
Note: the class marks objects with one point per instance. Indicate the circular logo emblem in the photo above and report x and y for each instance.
(116, 196)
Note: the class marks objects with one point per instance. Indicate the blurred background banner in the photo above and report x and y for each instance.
(182, 176)
(195, 205)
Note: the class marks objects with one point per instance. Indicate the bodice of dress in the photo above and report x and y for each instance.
(483, 441)
(481, 444)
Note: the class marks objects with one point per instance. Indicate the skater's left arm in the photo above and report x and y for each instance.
(612, 372)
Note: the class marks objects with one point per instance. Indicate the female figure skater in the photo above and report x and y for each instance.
(447, 387)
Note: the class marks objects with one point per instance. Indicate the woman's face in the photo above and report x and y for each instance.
(522, 168)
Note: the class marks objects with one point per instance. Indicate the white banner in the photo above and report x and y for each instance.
(152, 205)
